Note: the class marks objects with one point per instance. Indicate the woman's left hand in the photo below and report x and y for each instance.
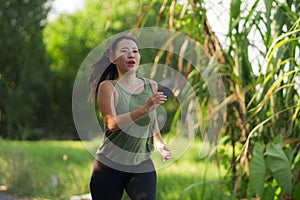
(165, 152)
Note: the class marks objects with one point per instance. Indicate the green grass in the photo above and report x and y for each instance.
(45, 169)
(61, 169)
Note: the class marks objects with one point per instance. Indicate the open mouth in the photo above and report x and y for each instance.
(131, 62)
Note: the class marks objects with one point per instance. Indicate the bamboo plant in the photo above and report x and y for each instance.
(261, 120)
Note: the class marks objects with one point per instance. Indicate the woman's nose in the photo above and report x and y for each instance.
(130, 54)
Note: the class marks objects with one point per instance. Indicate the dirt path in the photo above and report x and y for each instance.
(4, 196)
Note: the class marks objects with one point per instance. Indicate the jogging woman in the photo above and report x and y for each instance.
(127, 104)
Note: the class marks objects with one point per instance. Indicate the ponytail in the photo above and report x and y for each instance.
(102, 69)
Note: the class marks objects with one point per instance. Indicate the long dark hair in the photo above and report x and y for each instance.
(104, 69)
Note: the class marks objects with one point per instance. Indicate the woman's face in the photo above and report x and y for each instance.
(126, 56)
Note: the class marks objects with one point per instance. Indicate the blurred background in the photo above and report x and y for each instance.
(255, 46)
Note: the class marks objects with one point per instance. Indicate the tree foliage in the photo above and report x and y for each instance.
(41, 58)
(24, 68)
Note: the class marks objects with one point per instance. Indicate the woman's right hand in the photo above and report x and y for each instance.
(154, 101)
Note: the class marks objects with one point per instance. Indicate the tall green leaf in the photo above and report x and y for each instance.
(257, 172)
(279, 165)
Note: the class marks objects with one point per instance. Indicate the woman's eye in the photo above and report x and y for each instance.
(125, 51)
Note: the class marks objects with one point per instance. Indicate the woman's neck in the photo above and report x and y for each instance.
(131, 83)
(128, 78)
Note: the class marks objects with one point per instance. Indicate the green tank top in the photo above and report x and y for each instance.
(132, 144)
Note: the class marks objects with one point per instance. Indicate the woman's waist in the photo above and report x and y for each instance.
(145, 165)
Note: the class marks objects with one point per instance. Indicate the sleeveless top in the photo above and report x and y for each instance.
(132, 144)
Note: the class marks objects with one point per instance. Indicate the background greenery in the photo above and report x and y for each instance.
(61, 169)
(39, 60)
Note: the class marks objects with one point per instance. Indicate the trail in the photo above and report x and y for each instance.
(4, 196)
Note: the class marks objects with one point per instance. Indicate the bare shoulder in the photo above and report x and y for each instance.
(106, 85)
(106, 91)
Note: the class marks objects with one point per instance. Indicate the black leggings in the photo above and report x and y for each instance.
(108, 183)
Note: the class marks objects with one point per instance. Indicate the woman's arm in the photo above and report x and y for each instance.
(106, 101)
(163, 149)
(157, 137)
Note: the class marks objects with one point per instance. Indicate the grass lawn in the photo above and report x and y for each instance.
(61, 169)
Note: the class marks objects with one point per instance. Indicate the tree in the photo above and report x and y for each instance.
(24, 73)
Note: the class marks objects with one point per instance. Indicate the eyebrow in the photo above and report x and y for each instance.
(129, 48)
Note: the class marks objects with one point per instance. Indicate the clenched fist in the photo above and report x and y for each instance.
(154, 101)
